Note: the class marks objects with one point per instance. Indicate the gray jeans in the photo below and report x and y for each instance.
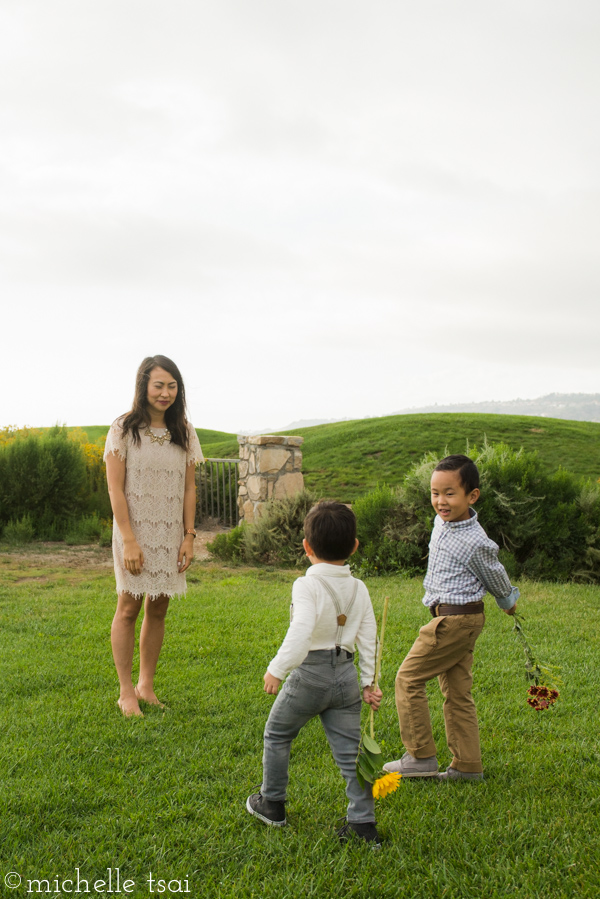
(325, 684)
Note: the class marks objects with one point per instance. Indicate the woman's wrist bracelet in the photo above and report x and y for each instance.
(191, 532)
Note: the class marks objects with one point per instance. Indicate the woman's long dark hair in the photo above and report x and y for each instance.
(175, 416)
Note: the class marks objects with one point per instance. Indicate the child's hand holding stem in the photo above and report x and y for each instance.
(372, 696)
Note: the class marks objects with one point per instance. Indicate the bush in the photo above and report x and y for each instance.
(547, 526)
(273, 539)
(513, 486)
(229, 547)
(43, 477)
(404, 525)
(21, 531)
(97, 498)
(276, 537)
(87, 529)
(106, 533)
(372, 512)
(54, 476)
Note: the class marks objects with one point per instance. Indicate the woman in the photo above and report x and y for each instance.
(150, 467)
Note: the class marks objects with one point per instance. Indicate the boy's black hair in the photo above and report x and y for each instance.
(468, 472)
(330, 531)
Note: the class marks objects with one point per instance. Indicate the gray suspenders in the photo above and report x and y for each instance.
(342, 617)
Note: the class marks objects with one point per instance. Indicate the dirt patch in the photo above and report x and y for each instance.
(29, 580)
(205, 536)
(40, 555)
(92, 556)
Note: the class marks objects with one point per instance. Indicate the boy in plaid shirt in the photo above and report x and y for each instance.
(463, 566)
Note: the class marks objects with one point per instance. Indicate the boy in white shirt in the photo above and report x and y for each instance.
(331, 612)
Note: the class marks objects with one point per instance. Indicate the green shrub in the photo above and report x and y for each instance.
(229, 547)
(276, 537)
(96, 492)
(50, 528)
(589, 505)
(45, 477)
(547, 526)
(404, 524)
(513, 486)
(273, 539)
(21, 531)
(86, 529)
(106, 533)
(372, 512)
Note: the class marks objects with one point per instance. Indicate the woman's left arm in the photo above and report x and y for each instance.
(186, 550)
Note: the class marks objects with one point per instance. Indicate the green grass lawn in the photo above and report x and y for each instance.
(84, 788)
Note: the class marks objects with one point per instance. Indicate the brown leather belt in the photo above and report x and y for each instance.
(469, 608)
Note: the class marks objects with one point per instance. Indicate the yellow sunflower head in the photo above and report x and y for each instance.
(386, 784)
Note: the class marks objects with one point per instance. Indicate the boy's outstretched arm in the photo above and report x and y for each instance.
(484, 564)
(271, 683)
(372, 696)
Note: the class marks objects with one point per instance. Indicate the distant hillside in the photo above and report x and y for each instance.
(571, 406)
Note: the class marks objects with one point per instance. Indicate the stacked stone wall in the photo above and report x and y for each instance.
(270, 468)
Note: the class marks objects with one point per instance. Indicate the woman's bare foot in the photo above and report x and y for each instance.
(148, 696)
(130, 706)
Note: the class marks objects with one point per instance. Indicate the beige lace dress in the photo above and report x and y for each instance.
(154, 488)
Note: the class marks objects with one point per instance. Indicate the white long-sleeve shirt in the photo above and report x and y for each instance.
(314, 621)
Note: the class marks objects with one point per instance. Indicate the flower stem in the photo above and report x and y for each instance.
(379, 653)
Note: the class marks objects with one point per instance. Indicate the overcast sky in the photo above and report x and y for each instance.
(317, 208)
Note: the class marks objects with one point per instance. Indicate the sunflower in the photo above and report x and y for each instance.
(386, 784)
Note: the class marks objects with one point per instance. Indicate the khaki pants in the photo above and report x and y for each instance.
(443, 649)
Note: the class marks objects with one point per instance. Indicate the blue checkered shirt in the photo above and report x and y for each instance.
(463, 566)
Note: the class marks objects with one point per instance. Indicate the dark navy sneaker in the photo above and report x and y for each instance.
(366, 832)
(268, 812)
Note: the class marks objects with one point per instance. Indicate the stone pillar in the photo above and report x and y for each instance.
(270, 468)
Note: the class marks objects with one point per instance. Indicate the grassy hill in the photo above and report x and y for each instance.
(344, 459)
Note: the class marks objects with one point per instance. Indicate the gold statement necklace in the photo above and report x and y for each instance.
(156, 438)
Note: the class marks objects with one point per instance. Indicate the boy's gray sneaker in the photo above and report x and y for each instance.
(366, 832)
(454, 774)
(272, 813)
(409, 766)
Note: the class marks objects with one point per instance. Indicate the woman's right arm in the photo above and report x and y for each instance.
(133, 556)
